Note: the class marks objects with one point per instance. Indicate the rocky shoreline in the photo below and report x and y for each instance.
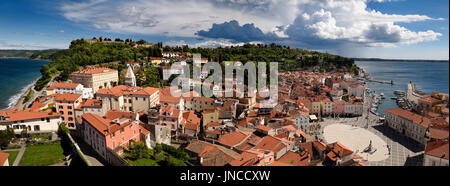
(20, 105)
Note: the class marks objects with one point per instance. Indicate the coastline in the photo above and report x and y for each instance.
(16, 101)
(4, 57)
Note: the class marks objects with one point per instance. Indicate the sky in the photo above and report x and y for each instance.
(393, 29)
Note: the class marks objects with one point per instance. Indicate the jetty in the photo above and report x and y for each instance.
(368, 78)
(380, 81)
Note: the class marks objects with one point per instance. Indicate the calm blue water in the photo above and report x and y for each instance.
(427, 76)
(15, 77)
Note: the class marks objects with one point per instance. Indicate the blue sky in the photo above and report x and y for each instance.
(413, 29)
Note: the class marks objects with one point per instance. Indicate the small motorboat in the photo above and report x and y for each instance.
(399, 92)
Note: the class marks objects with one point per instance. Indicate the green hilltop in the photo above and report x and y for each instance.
(114, 54)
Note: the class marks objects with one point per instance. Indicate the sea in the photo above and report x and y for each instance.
(428, 77)
(16, 76)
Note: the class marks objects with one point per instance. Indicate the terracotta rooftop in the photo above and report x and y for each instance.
(213, 155)
(270, 143)
(293, 159)
(233, 139)
(92, 103)
(65, 85)
(67, 97)
(247, 158)
(264, 128)
(3, 158)
(94, 71)
(338, 151)
(416, 118)
(438, 149)
(14, 115)
(126, 90)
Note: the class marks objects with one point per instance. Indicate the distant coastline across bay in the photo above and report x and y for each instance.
(401, 60)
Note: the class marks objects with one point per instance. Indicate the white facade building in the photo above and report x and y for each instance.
(71, 88)
(32, 121)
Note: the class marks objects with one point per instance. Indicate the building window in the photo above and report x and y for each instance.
(37, 128)
(69, 107)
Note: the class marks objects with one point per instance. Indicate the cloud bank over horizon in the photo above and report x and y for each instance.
(312, 24)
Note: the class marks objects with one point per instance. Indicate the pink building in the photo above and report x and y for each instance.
(66, 105)
(327, 107)
(338, 107)
(114, 132)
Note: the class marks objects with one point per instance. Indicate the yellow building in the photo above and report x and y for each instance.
(210, 115)
(96, 78)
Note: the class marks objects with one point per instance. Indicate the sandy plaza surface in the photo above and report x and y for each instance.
(357, 139)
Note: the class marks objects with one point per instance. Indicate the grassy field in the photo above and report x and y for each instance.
(42, 155)
(12, 156)
(143, 162)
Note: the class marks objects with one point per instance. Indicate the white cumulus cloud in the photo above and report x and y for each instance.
(313, 23)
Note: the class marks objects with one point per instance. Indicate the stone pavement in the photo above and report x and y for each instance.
(404, 151)
(91, 155)
(19, 155)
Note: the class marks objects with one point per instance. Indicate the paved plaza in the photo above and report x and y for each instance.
(403, 151)
(358, 140)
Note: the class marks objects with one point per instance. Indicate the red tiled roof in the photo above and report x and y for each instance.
(65, 85)
(94, 71)
(191, 117)
(169, 99)
(92, 103)
(247, 158)
(213, 124)
(213, 155)
(170, 111)
(192, 126)
(263, 128)
(439, 133)
(67, 97)
(126, 90)
(416, 118)
(294, 159)
(99, 123)
(14, 115)
(271, 143)
(339, 151)
(232, 139)
(437, 149)
(3, 158)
